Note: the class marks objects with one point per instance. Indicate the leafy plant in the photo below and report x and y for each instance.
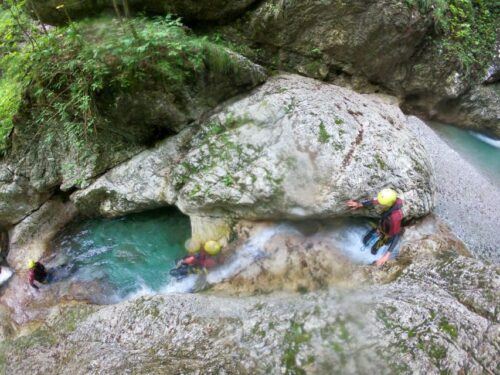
(69, 67)
(16, 33)
(467, 29)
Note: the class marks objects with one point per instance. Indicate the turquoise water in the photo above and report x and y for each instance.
(481, 151)
(127, 255)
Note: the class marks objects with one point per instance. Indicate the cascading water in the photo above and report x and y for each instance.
(343, 235)
(132, 256)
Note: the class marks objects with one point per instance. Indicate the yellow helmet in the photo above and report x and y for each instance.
(31, 264)
(191, 246)
(212, 247)
(387, 197)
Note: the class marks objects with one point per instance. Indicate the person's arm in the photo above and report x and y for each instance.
(392, 245)
(31, 279)
(361, 204)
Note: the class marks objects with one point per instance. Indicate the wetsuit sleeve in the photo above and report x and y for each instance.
(369, 202)
(31, 279)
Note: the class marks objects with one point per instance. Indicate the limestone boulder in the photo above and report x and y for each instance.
(141, 183)
(29, 239)
(17, 197)
(298, 148)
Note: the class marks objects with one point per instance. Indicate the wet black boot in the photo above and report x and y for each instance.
(377, 245)
(368, 236)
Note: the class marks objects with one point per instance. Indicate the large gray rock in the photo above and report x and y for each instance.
(142, 183)
(366, 44)
(29, 239)
(17, 197)
(320, 38)
(299, 148)
(464, 196)
(205, 10)
(478, 109)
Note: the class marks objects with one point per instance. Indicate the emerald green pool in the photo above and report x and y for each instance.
(128, 255)
(478, 149)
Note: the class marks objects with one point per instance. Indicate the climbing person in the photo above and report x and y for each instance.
(199, 260)
(389, 227)
(37, 272)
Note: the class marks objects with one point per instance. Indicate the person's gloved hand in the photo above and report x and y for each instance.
(383, 259)
(353, 204)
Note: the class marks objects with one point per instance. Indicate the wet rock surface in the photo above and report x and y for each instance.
(427, 320)
(429, 310)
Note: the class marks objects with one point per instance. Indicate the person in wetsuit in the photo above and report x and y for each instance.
(389, 227)
(37, 272)
(199, 261)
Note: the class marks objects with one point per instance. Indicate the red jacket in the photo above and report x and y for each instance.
(38, 273)
(201, 259)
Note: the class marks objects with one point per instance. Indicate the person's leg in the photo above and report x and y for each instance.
(393, 242)
(368, 236)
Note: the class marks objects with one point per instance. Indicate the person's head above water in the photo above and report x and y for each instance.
(191, 246)
(387, 197)
(212, 247)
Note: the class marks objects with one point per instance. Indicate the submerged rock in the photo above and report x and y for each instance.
(298, 148)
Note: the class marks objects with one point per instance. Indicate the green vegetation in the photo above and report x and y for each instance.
(323, 136)
(467, 29)
(449, 328)
(68, 68)
(380, 161)
(294, 339)
(74, 64)
(12, 59)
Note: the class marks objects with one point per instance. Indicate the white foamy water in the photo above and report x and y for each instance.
(492, 142)
(248, 253)
(344, 235)
(5, 274)
(347, 236)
